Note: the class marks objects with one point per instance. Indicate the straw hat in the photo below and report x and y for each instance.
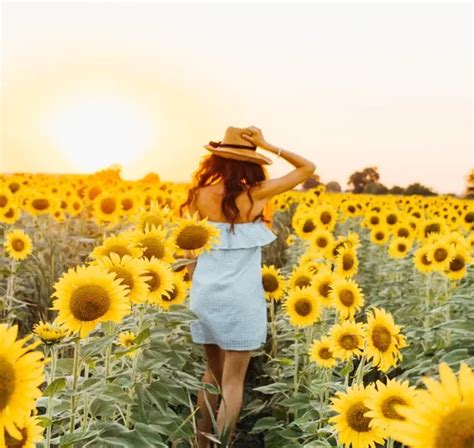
(234, 146)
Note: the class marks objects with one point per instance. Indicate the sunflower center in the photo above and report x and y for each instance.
(89, 302)
(172, 295)
(391, 219)
(40, 204)
(348, 342)
(7, 382)
(3, 201)
(403, 233)
(355, 417)
(381, 338)
(346, 296)
(424, 260)
(325, 353)
(326, 217)
(351, 208)
(379, 236)
(401, 248)
(108, 205)
(18, 245)
(457, 264)
(127, 204)
(440, 254)
(374, 220)
(469, 217)
(303, 307)
(124, 275)
(303, 281)
(10, 213)
(192, 237)
(15, 443)
(153, 247)
(432, 228)
(154, 282)
(308, 226)
(388, 408)
(321, 242)
(456, 430)
(270, 283)
(347, 262)
(324, 289)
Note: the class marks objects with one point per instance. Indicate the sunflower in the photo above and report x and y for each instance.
(371, 219)
(155, 243)
(176, 295)
(390, 217)
(325, 215)
(49, 333)
(320, 352)
(119, 244)
(304, 225)
(153, 217)
(399, 247)
(10, 215)
(31, 432)
(194, 234)
(75, 205)
(291, 239)
(161, 279)
(88, 295)
(274, 284)
(302, 307)
(383, 339)
(40, 203)
(384, 401)
(106, 207)
(457, 267)
(128, 203)
(351, 422)
(346, 263)
(321, 241)
(421, 260)
(347, 339)
(21, 373)
(300, 277)
(126, 339)
(434, 226)
(346, 297)
(322, 282)
(379, 235)
(131, 273)
(442, 415)
(18, 244)
(7, 199)
(440, 254)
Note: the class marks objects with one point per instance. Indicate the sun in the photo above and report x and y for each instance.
(99, 130)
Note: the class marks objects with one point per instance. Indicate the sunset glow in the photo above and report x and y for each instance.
(98, 131)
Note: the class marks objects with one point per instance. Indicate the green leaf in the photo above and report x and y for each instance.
(273, 388)
(265, 423)
(56, 386)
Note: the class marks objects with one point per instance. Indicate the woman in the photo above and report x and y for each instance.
(231, 188)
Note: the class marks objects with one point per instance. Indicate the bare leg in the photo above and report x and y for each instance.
(213, 375)
(233, 377)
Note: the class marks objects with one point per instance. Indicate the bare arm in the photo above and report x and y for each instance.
(304, 168)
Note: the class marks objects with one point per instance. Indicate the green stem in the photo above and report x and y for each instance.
(75, 376)
(295, 375)
(86, 399)
(50, 398)
(273, 328)
(359, 375)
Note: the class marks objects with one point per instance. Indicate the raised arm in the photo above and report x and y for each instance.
(304, 168)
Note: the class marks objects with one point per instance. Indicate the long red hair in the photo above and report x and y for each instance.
(237, 175)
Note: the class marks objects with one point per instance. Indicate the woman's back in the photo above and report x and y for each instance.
(209, 201)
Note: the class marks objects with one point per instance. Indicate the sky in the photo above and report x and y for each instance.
(146, 85)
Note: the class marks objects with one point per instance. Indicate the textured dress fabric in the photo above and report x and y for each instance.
(227, 293)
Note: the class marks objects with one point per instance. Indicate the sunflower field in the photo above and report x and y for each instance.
(370, 318)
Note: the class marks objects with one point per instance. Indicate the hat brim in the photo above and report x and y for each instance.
(240, 154)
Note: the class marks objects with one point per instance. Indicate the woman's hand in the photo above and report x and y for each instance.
(254, 135)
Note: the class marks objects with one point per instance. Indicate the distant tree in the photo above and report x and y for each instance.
(396, 190)
(375, 188)
(333, 187)
(312, 182)
(360, 179)
(419, 189)
(469, 193)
